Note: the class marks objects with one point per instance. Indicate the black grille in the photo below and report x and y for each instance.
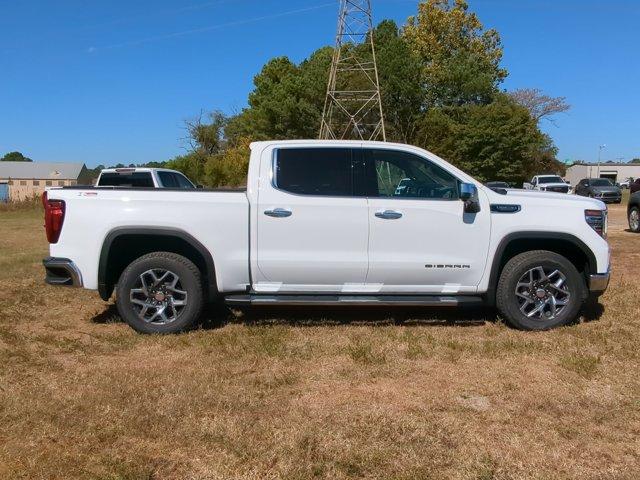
(558, 189)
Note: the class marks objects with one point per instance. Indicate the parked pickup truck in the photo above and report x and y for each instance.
(331, 223)
(548, 183)
(143, 178)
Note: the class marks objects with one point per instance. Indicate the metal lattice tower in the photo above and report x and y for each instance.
(353, 107)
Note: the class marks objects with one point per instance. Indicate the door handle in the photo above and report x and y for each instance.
(278, 213)
(389, 215)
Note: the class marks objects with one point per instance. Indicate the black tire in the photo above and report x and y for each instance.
(634, 226)
(508, 302)
(189, 282)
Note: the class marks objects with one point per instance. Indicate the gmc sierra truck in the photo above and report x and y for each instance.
(331, 223)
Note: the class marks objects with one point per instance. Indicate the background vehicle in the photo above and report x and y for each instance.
(143, 178)
(547, 183)
(600, 188)
(626, 183)
(331, 223)
(633, 212)
(497, 185)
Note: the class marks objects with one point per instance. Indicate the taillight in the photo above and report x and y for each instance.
(53, 217)
(597, 219)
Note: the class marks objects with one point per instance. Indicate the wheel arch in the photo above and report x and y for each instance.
(565, 244)
(131, 243)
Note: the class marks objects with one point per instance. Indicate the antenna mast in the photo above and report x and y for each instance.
(353, 107)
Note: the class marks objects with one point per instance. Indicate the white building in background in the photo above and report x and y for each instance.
(26, 180)
(616, 172)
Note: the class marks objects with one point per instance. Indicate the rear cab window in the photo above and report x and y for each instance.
(133, 179)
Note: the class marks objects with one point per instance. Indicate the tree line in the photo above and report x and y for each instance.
(440, 77)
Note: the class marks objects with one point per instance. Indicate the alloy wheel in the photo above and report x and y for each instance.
(542, 293)
(158, 297)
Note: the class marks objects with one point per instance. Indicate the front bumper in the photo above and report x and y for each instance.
(62, 272)
(598, 283)
(609, 198)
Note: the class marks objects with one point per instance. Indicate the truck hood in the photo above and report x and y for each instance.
(533, 197)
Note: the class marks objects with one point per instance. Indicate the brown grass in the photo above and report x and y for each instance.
(303, 394)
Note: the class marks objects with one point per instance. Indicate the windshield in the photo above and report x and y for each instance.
(136, 180)
(601, 182)
(550, 180)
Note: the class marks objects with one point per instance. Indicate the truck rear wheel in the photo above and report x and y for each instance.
(160, 293)
(634, 219)
(540, 290)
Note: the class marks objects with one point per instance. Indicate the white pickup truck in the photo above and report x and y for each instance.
(140, 177)
(548, 183)
(331, 223)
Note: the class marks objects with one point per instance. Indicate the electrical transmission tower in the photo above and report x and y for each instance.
(353, 107)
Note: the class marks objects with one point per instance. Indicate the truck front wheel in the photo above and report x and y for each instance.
(160, 293)
(540, 290)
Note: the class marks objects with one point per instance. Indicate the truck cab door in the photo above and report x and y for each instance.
(420, 238)
(312, 232)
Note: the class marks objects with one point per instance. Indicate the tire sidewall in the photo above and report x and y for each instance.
(510, 307)
(190, 283)
(636, 209)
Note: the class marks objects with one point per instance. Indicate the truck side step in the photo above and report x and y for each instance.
(353, 300)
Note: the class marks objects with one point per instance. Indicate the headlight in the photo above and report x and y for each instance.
(598, 220)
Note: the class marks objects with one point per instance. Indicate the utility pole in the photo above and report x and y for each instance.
(599, 157)
(353, 107)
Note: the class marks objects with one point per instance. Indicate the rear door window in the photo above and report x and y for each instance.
(134, 179)
(314, 171)
(174, 180)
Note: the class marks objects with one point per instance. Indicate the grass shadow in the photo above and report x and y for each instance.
(215, 316)
(366, 316)
(109, 316)
(592, 310)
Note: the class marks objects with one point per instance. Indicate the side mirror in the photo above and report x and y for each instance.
(469, 195)
(200, 186)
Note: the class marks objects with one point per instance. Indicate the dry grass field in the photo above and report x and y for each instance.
(312, 394)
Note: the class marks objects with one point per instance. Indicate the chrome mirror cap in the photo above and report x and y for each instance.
(468, 191)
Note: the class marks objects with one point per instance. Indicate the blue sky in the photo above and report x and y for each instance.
(113, 81)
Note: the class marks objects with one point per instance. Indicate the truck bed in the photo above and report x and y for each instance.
(152, 189)
(217, 219)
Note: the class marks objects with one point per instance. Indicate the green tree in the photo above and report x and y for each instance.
(229, 168)
(402, 92)
(460, 60)
(287, 100)
(439, 76)
(497, 141)
(15, 157)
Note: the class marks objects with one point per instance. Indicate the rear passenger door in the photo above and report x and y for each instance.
(312, 232)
